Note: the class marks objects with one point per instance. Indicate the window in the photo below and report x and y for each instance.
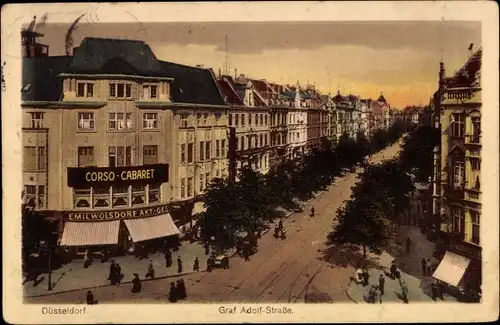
(202, 182)
(190, 152)
(85, 156)
(242, 145)
(154, 192)
(476, 129)
(208, 149)
(190, 186)
(29, 157)
(84, 89)
(86, 121)
(150, 121)
(458, 125)
(265, 139)
(458, 174)
(475, 227)
(120, 156)
(41, 158)
(223, 148)
(183, 153)
(100, 196)
(150, 155)
(237, 119)
(261, 119)
(207, 179)
(128, 90)
(120, 196)
(120, 121)
(198, 119)
(81, 197)
(184, 120)
(36, 120)
(457, 214)
(248, 142)
(183, 187)
(205, 119)
(242, 119)
(265, 119)
(217, 148)
(112, 90)
(150, 91)
(475, 163)
(41, 196)
(202, 151)
(30, 195)
(120, 90)
(230, 119)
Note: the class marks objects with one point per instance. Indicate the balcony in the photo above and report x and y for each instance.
(473, 195)
(473, 139)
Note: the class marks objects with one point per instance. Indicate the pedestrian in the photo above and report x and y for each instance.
(393, 269)
(86, 259)
(196, 265)
(404, 290)
(440, 290)
(168, 258)
(434, 290)
(423, 262)
(90, 298)
(118, 274)
(429, 266)
(181, 289)
(366, 277)
(151, 271)
(246, 252)
(136, 284)
(172, 294)
(372, 294)
(283, 233)
(207, 248)
(209, 264)
(381, 284)
(179, 264)
(408, 245)
(280, 224)
(276, 231)
(312, 211)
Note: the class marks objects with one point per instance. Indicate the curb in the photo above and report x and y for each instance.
(347, 293)
(111, 285)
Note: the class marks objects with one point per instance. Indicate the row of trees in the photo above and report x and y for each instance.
(250, 203)
(383, 193)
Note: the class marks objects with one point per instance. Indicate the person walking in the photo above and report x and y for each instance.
(434, 290)
(86, 259)
(112, 269)
(118, 274)
(312, 211)
(168, 258)
(366, 277)
(209, 264)
(381, 284)
(172, 294)
(136, 284)
(423, 262)
(393, 269)
(283, 233)
(90, 298)
(207, 248)
(429, 267)
(404, 290)
(179, 264)
(276, 232)
(181, 289)
(151, 271)
(196, 264)
(408, 245)
(280, 224)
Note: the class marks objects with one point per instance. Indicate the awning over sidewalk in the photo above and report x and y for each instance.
(90, 233)
(151, 228)
(451, 269)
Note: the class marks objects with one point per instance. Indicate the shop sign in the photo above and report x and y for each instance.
(115, 215)
(91, 176)
(472, 251)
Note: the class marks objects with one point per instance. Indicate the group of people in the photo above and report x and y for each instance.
(177, 291)
(115, 273)
(168, 261)
(376, 291)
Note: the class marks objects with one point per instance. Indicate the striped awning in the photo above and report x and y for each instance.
(451, 269)
(151, 228)
(90, 233)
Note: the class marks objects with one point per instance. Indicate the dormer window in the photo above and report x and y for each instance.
(120, 90)
(84, 89)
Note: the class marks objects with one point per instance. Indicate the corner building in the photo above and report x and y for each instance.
(100, 145)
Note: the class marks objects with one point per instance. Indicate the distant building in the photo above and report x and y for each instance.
(381, 113)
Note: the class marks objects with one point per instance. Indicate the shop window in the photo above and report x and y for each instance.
(150, 121)
(475, 226)
(36, 120)
(85, 156)
(120, 121)
(120, 196)
(150, 155)
(101, 197)
(81, 197)
(138, 194)
(154, 192)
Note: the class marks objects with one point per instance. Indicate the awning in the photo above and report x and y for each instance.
(151, 228)
(90, 233)
(451, 269)
(198, 208)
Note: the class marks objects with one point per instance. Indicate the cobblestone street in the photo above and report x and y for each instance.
(300, 268)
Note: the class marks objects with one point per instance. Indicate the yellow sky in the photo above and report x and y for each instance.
(400, 59)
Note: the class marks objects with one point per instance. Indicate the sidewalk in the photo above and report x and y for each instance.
(419, 286)
(73, 276)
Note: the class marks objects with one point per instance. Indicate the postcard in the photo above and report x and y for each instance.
(274, 162)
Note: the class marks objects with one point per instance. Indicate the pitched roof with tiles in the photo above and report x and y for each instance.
(470, 74)
(229, 92)
(115, 56)
(39, 78)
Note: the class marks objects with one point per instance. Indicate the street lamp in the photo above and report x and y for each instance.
(48, 249)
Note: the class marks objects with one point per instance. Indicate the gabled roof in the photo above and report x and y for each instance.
(229, 92)
(109, 56)
(39, 77)
(192, 85)
(469, 74)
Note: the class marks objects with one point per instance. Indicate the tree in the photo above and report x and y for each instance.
(362, 145)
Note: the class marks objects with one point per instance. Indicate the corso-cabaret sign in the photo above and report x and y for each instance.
(87, 176)
(116, 215)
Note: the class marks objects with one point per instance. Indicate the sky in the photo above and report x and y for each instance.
(398, 59)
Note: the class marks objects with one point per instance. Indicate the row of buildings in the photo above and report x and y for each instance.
(456, 183)
(119, 146)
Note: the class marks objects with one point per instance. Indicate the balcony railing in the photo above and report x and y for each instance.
(473, 195)
(473, 139)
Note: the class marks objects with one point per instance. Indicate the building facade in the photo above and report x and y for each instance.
(457, 175)
(100, 139)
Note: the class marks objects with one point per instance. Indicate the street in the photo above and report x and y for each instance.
(301, 268)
